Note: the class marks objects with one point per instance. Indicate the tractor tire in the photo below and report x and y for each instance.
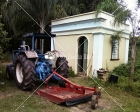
(62, 67)
(25, 75)
(94, 104)
(9, 73)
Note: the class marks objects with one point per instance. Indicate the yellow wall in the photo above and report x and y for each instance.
(69, 46)
(107, 53)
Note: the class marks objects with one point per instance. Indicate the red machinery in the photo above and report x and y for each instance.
(70, 94)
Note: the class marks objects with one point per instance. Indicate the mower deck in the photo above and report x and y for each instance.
(60, 95)
(71, 94)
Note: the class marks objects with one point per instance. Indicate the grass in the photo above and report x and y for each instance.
(129, 102)
(11, 98)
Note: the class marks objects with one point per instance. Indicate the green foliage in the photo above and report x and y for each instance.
(42, 11)
(20, 21)
(124, 84)
(108, 6)
(7, 57)
(88, 5)
(71, 72)
(2, 71)
(68, 8)
(116, 36)
(122, 70)
(3, 39)
(119, 10)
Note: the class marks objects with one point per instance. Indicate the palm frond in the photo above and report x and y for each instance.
(121, 15)
(116, 36)
(108, 6)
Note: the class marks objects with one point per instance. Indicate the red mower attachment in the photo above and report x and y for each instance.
(71, 94)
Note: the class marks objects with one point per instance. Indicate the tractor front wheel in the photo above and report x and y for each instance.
(24, 73)
(62, 66)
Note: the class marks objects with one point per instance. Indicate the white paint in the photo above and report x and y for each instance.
(126, 49)
(52, 44)
(97, 52)
(75, 26)
(86, 22)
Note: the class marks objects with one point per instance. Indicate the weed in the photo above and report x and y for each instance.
(7, 57)
(71, 72)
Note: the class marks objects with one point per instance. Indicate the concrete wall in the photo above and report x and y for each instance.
(98, 31)
(69, 46)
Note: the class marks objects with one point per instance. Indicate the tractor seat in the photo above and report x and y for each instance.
(38, 51)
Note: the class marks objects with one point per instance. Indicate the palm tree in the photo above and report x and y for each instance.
(122, 14)
(42, 11)
(116, 36)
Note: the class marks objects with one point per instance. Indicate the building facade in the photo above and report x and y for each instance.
(85, 40)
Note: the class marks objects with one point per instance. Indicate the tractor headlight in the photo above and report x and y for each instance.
(46, 56)
(49, 55)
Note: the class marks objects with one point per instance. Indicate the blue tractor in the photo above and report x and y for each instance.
(29, 64)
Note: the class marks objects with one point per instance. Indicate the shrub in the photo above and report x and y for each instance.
(71, 72)
(7, 57)
(122, 70)
(2, 71)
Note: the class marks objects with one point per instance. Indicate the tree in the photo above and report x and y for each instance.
(1, 2)
(42, 11)
(3, 39)
(116, 36)
(68, 8)
(87, 5)
(122, 14)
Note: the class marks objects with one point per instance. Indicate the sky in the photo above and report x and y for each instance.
(131, 4)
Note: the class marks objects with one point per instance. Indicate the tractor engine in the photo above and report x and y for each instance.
(52, 60)
(44, 69)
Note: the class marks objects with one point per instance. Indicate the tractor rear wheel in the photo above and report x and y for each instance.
(9, 73)
(62, 66)
(24, 73)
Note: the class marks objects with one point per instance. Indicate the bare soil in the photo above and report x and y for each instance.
(103, 104)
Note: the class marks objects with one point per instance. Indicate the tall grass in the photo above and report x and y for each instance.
(7, 57)
(123, 72)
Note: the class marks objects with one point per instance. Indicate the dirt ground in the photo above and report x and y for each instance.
(103, 104)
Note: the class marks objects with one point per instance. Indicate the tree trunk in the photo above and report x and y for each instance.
(42, 30)
(133, 54)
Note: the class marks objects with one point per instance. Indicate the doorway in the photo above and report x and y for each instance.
(82, 55)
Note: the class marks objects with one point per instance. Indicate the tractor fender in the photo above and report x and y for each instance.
(30, 55)
(59, 54)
